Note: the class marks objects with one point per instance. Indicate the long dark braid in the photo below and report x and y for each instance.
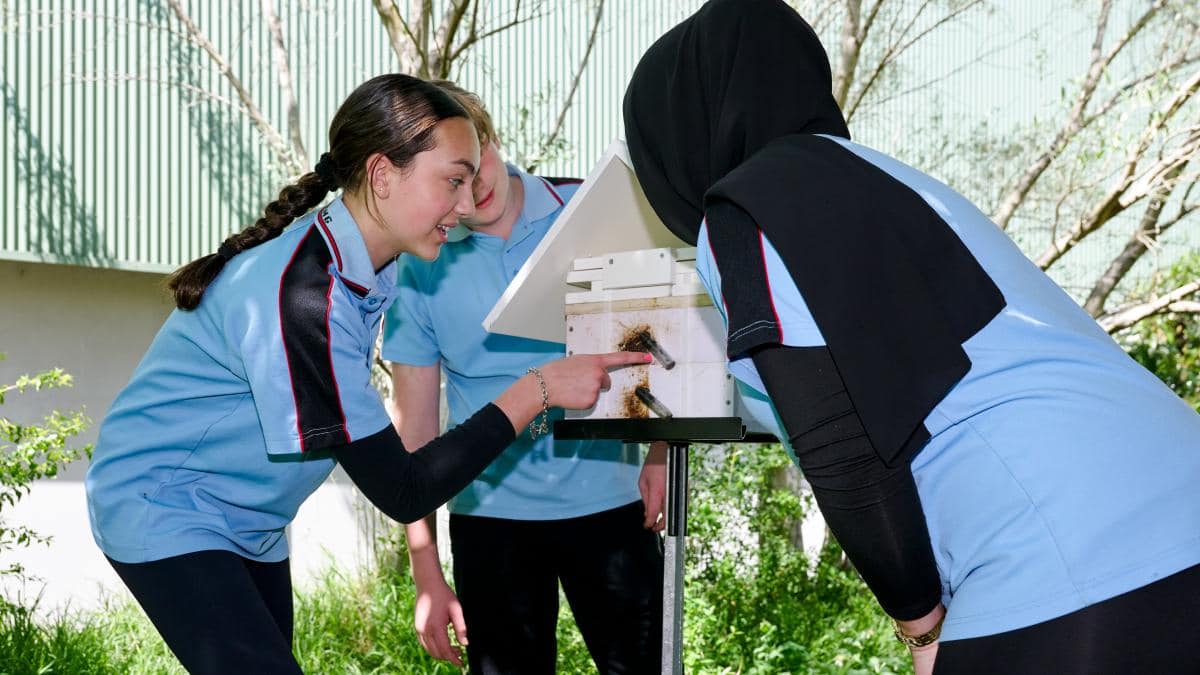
(189, 282)
(389, 114)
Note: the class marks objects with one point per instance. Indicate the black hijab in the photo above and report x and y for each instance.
(720, 118)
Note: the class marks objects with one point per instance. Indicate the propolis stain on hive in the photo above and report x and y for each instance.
(631, 406)
(634, 339)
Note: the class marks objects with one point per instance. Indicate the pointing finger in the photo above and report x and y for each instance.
(615, 359)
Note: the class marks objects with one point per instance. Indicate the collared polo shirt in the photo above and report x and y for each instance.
(1059, 472)
(438, 319)
(225, 426)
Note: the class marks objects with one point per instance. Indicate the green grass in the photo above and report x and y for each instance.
(779, 620)
(344, 624)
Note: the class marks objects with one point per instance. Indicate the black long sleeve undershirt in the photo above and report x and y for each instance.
(407, 486)
(873, 510)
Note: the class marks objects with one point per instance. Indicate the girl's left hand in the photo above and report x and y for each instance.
(652, 484)
(923, 658)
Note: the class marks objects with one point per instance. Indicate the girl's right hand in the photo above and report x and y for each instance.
(576, 381)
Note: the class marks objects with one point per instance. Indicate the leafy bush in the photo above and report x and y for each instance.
(30, 452)
(758, 604)
(1168, 344)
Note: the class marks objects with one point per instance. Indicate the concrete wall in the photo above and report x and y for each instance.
(95, 324)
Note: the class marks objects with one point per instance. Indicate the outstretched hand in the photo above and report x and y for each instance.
(576, 381)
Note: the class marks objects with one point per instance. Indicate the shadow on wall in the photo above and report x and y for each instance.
(63, 226)
(224, 138)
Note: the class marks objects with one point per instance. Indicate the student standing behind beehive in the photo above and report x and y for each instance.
(545, 511)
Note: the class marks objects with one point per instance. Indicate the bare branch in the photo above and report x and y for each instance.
(284, 72)
(851, 44)
(1158, 172)
(816, 16)
(455, 12)
(1148, 233)
(941, 77)
(1131, 314)
(393, 23)
(583, 61)
(1184, 307)
(936, 25)
(1125, 89)
(1121, 196)
(1074, 122)
(474, 38)
(870, 22)
(900, 45)
(851, 108)
(409, 47)
(274, 140)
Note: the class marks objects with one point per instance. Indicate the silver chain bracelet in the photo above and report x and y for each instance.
(540, 426)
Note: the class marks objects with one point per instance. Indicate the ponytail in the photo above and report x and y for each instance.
(189, 282)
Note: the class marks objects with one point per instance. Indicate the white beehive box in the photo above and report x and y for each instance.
(630, 295)
(607, 266)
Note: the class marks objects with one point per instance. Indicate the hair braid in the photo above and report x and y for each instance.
(189, 282)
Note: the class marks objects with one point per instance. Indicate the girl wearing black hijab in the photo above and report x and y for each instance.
(998, 470)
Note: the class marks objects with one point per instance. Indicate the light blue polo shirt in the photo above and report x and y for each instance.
(438, 318)
(225, 426)
(1060, 473)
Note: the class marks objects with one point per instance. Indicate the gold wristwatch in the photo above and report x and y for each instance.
(922, 640)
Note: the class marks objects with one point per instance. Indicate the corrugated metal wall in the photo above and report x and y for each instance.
(123, 145)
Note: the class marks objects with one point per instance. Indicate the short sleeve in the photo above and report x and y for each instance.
(796, 322)
(308, 364)
(408, 334)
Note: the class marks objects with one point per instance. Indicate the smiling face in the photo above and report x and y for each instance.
(492, 189)
(417, 205)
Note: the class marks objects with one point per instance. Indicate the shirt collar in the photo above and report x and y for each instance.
(350, 256)
(541, 198)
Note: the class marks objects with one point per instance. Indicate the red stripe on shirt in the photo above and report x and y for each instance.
(287, 359)
(762, 247)
(329, 236)
(552, 192)
(329, 342)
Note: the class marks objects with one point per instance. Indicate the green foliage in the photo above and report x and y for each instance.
(528, 147)
(344, 624)
(1168, 345)
(360, 625)
(118, 640)
(754, 604)
(30, 452)
(758, 605)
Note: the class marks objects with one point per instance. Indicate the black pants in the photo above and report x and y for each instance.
(1153, 629)
(218, 612)
(506, 574)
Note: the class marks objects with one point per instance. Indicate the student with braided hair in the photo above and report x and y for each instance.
(260, 381)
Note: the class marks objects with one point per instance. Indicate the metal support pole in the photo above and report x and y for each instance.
(677, 493)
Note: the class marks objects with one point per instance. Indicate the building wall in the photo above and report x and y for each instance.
(95, 324)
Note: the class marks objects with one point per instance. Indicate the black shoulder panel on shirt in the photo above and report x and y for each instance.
(305, 291)
(555, 180)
